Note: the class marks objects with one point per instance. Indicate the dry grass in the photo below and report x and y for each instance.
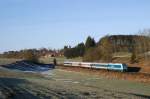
(65, 85)
(144, 65)
(140, 77)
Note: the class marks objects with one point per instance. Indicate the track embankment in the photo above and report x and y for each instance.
(132, 76)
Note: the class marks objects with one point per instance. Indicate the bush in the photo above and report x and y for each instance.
(92, 54)
(103, 52)
(134, 58)
(30, 56)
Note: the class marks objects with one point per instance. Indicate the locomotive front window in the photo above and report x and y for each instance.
(124, 66)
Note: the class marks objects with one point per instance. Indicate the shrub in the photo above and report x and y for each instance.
(134, 57)
(92, 54)
(30, 56)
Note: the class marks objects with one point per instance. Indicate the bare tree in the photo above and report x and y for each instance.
(144, 43)
(106, 48)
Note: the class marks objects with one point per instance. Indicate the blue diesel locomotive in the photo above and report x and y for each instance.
(108, 66)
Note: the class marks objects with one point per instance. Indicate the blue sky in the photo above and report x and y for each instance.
(55, 23)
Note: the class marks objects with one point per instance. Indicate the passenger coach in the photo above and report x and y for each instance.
(108, 66)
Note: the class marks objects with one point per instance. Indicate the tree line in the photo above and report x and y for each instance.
(92, 51)
(29, 54)
(103, 50)
(80, 49)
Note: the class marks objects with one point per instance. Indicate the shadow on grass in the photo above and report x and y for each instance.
(10, 89)
(29, 66)
(142, 96)
(14, 88)
(134, 69)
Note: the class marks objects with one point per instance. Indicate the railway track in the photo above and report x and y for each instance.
(127, 72)
(135, 76)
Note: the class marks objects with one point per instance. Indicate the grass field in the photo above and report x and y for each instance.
(63, 84)
(58, 84)
(60, 60)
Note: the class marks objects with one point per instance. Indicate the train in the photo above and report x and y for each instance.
(108, 66)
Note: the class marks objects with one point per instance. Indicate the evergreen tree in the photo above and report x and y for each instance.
(77, 51)
(80, 49)
(90, 42)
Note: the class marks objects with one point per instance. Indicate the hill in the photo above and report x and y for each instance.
(126, 43)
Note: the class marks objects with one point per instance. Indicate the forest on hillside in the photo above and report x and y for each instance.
(103, 50)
